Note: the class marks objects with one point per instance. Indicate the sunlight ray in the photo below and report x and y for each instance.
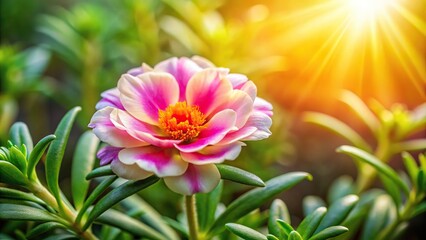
(409, 59)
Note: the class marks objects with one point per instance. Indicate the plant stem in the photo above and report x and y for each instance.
(66, 213)
(368, 173)
(191, 214)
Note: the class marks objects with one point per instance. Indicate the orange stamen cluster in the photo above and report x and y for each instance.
(181, 122)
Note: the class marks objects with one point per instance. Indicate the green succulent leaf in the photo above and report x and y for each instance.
(18, 159)
(37, 153)
(419, 209)
(310, 223)
(207, 205)
(116, 195)
(294, 236)
(337, 212)
(410, 165)
(100, 172)
(329, 232)
(109, 233)
(285, 227)
(94, 195)
(358, 214)
(393, 190)
(11, 175)
(341, 187)
(381, 213)
(82, 164)
(334, 125)
(238, 175)
(409, 145)
(278, 210)
(150, 216)
(272, 237)
(382, 168)
(10, 211)
(245, 232)
(20, 135)
(8, 193)
(422, 159)
(43, 228)
(56, 152)
(255, 198)
(311, 203)
(360, 109)
(122, 221)
(421, 181)
(178, 226)
(62, 236)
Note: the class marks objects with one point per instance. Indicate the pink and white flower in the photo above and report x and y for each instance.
(177, 120)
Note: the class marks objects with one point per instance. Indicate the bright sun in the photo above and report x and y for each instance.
(368, 10)
(374, 48)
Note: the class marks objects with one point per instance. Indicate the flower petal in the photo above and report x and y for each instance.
(144, 95)
(130, 172)
(207, 90)
(107, 132)
(263, 106)
(214, 154)
(139, 70)
(110, 98)
(241, 133)
(250, 88)
(202, 62)
(162, 162)
(108, 154)
(237, 80)
(140, 130)
(196, 179)
(262, 122)
(216, 129)
(242, 104)
(182, 69)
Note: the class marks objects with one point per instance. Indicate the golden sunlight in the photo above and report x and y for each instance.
(368, 10)
(375, 48)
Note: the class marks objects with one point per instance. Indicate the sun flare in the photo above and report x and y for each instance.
(374, 48)
(367, 10)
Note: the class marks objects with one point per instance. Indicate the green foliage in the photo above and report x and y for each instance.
(43, 228)
(385, 215)
(56, 152)
(122, 221)
(255, 198)
(49, 207)
(238, 175)
(100, 172)
(20, 212)
(207, 204)
(37, 153)
(245, 232)
(277, 211)
(319, 224)
(82, 164)
(116, 195)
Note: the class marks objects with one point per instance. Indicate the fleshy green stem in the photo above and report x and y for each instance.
(368, 173)
(191, 214)
(68, 214)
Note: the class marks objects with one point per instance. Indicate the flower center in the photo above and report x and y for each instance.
(181, 122)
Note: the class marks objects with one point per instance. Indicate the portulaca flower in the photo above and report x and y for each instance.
(177, 120)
